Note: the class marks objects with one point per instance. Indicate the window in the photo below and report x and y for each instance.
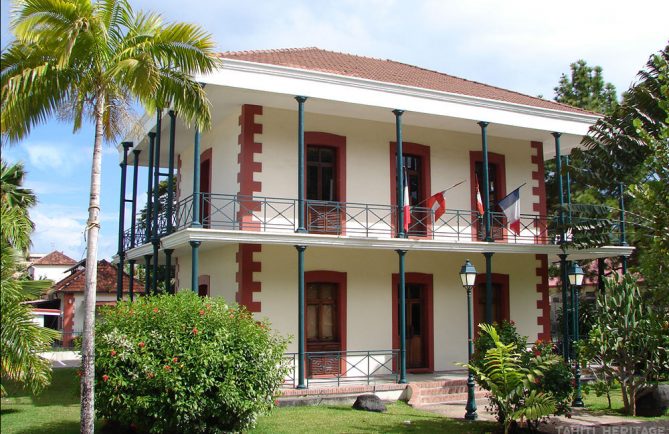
(416, 159)
(500, 298)
(325, 182)
(496, 190)
(203, 285)
(322, 313)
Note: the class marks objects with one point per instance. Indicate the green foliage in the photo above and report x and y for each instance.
(507, 333)
(510, 382)
(184, 363)
(586, 89)
(629, 339)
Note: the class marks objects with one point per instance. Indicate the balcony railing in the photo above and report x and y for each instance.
(332, 368)
(279, 215)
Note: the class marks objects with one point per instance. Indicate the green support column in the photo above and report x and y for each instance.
(168, 271)
(401, 297)
(149, 192)
(300, 165)
(147, 274)
(301, 361)
(578, 400)
(131, 284)
(196, 180)
(155, 239)
(488, 287)
(170, 172)
(121, 222)
(195, 265)
(487, 219)
(601, 265)
(563, 256)
(558, 175)
(135, 175)
(568, 185)
(399, 174)
(623, 240)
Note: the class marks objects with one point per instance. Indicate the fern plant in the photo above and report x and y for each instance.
(509, 383)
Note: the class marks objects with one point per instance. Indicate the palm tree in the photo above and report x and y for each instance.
(21, 340)
(89, 60)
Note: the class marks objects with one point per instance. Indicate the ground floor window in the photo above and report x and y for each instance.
(500, 298)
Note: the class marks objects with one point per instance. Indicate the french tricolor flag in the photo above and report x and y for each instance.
(407, 206)
(511, 207)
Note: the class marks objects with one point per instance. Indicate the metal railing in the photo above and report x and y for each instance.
(279, 215)
(330, 368)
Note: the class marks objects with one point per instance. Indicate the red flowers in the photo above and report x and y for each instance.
(113, 353)
(195, 331)
(202, 312)
(150, 375)
(105, 378)
(155, 310)
(141, 344)
(168, 368)
(175, 359)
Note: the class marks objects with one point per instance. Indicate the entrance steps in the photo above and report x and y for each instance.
(426, 393)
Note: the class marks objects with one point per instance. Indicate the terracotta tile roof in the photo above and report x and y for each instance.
(76, 282)
(55, 258)
(389, 71)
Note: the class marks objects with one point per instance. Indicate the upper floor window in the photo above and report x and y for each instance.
(496, 191)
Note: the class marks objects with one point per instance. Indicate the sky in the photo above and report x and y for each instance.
(516, 44)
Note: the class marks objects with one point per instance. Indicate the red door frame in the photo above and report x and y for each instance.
(428, 282)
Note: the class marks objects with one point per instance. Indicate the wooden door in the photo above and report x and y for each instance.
(420, 218)
(323, 208)
(416, 330)
(322, 328)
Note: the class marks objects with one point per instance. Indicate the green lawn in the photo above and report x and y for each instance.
(599, 404)
(338, 419)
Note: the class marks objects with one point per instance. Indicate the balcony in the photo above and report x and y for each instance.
(359, 220)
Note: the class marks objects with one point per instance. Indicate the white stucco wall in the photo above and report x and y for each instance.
(219, 264)
(50, 272)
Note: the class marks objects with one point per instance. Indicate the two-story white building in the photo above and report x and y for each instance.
(289, 204)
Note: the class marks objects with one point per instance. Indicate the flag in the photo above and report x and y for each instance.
(511, 207)
(479, 202)
(407, 208)
(437, 204)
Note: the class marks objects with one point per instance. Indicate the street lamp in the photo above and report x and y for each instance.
(576, 275)
(468, 277)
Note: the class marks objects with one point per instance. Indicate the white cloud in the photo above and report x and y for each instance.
(61, 157)
(58, 230)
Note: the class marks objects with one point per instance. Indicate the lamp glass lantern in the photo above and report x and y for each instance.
(468, 274)
(576, 275)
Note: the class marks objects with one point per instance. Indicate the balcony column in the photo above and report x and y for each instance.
(149, 192)
(623, 240)
(155, 239)
(563, 256)
(131, 284)
(121, 222)
(401, 296)
(170, 173)
(195, 223)
(567, 180)
(487, 221)
(399, 174)
(135, 173)
(300, 165)
(301, 336)
(402, 319)
(168, 271)
(147, 274)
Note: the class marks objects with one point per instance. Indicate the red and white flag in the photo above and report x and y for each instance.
(479, 202)
(511, 207)
(437, 204)
(407, 206)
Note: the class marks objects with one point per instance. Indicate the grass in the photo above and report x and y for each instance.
(599, 404)
(399, 418)
(55, 410)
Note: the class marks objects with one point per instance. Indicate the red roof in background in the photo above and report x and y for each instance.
(55, 258)
(590, 278)
(76, 282)
(389, 71)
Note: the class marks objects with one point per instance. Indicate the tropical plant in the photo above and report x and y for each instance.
(88, 60)
(21, 340)
(586, 88)
(183, 363)
(510, 383)
(629, 339)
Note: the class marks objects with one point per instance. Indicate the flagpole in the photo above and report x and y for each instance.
(442, 191)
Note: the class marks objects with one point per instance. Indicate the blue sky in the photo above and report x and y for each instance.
(519, 45)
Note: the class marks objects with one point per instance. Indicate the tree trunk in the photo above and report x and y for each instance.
(92, 230)
(626, 401)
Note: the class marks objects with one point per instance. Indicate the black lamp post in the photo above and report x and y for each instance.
(468, 277)
(576, 275)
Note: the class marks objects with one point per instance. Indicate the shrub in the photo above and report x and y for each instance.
(183, 363)
(556, 379)
(511, 385)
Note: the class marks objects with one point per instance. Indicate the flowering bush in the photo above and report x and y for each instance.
(183, 363)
